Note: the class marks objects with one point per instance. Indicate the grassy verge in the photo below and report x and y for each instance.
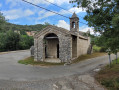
(30, 60)
(84, 57)
(109, 77)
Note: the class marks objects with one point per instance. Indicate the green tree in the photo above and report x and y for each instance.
(22, 32)
(12, 40)
(103, 15)
(9, 41)
(26, 42)
(2, 22)
(47, 23)
(2, 41)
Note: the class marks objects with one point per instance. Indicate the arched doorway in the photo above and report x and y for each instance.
(74, 46)
(51, 44)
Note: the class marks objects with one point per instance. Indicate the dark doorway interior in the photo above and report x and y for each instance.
(74, 46)
(51, 43)
(45, 51)
(57, 50)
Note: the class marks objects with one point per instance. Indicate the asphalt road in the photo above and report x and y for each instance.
(11, 70)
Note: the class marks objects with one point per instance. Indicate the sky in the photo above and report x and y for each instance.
(19, 12)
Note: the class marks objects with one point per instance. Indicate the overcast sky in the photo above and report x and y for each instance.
(19, 12)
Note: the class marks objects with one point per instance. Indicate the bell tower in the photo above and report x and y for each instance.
(74, 23)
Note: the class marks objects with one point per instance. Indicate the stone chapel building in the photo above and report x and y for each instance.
(56, 42)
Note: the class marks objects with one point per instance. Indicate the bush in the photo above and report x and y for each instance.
(96, 48)
(99, 49)
(103, 49)
(2, 42)
(109, 77)
(111, 84)
(10, 41)
(26, 42)
(108, 83)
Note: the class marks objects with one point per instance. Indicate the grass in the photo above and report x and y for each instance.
(109, 77)
(96, 48)
(88, 56)
(30, 60)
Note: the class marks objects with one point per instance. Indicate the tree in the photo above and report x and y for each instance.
(9, 41)
(12, 40)
(26, 42)
(47, 23)
(2, 41)
(2, 21)
(22, 32)
(103, 15)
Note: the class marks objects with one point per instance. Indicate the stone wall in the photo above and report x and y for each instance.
(39, 49)
(65, 46)
(70, 45)
(65, 43)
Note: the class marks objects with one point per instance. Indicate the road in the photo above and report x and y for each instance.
(15, 76)
(11, 70)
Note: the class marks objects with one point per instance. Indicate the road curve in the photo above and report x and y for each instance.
(11, 70)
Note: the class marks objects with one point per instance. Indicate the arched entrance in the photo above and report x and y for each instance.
(51, 44)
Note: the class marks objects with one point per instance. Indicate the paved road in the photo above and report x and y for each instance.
(11, 70)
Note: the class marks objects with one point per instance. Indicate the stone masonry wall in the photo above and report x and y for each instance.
(65, 46)
(65, 52)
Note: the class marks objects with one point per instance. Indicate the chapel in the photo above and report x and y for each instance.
(57, 43)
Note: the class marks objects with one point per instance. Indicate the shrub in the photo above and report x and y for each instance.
(108, 83)
(26, 42)
(109, 77)
(96, 48)
(103, 49)
(10, 41)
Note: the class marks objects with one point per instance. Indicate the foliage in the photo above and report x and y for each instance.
(6, 26)
(22, 32)
(2, 41)
(96, 48)
(103, 49)
(13, 41)
(26, 42)
(98, 43)
(2, 21)
(22, 28)
(115, 21)
(9, 41)
(103, 15)
(109, 77)
(46, 23)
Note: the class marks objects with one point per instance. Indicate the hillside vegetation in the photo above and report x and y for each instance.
(38, 27)
(11, 40)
